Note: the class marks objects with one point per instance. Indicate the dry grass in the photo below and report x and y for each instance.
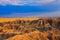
(29, 29)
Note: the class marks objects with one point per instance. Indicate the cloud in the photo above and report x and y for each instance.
(25, 2)
(36, 14)
(57, 2)
(47, 14)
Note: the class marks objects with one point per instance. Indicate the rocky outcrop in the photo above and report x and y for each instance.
(39, 29)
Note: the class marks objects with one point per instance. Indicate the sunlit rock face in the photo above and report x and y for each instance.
(30, 28)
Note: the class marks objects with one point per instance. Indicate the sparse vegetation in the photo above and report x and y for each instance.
(40, 29)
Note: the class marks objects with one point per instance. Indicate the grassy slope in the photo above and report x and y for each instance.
(12, 19)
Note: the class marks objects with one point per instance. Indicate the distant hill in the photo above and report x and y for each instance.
(12, 19)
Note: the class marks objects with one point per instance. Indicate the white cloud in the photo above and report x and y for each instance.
(56, 2)
(46, 14)
(24, 2)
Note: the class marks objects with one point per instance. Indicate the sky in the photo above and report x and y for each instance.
(29, 8)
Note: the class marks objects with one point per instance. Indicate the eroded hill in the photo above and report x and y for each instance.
(30, 29)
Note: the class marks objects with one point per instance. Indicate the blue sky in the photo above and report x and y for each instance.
(29, 8)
